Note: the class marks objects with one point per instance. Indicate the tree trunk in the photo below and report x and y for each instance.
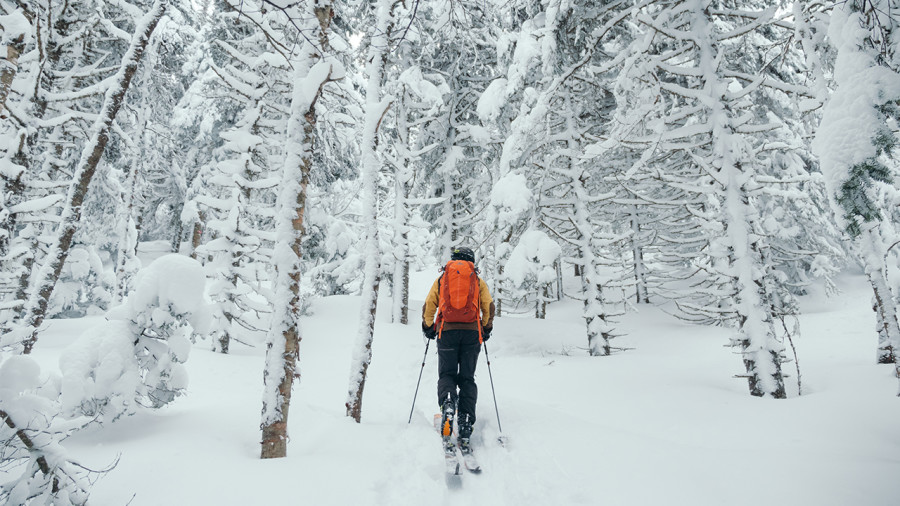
(371, 166)
(197, 233)
(9, 67)
(402, 176)
(640, 269)
(128, 239)
(883, 303)
(761, 351)
(36, 307)
(543, 295)
(283, 340)
(599, 331)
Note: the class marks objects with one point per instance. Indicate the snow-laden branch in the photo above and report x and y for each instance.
(98, 88)
(48, 274)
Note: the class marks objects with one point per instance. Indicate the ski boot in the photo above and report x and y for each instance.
(465, 432)
(448, 413)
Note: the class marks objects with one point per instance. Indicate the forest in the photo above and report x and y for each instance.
(716, 158)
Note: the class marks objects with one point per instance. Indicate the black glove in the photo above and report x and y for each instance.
(486, 333)
(429, 331)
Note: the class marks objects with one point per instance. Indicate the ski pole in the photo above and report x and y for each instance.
(419, 381)
(493, 392)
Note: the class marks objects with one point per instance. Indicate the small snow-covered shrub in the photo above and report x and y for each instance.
(531, 267)
(100, 373)
(85, 285)
(30, 436)
(137, 356)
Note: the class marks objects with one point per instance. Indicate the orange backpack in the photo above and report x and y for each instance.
(459, 293)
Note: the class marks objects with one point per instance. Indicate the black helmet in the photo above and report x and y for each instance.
(463, 253)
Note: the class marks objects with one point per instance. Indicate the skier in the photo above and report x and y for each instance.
(459, 312)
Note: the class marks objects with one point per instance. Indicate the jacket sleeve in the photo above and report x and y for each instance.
(431, 305)
(487, 305)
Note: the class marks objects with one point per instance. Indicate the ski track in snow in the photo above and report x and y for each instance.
(663, 423)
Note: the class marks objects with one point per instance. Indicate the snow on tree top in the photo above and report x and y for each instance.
(172, 280)
(15, 26)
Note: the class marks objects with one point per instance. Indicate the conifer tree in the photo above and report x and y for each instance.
(42, 287)
(704, 115)
(859, 114)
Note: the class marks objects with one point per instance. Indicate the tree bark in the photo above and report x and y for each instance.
(36, 308)
(371, 166)
(283, 341)
(197, 233)
(9, 67)
(400, 310)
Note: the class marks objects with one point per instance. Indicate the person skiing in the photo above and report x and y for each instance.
(459, 312)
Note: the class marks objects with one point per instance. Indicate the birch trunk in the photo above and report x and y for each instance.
(283, 339)
(36, 307)
(376, 108)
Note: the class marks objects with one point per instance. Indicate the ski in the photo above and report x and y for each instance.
(470, 462)
(451, 457)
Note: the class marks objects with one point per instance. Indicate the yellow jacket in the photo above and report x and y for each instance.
(487, 308)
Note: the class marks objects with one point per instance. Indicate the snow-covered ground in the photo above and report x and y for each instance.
(662, 423)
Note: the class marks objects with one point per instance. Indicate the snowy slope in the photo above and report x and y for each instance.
(663, 423)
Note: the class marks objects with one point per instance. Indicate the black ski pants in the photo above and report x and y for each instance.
(457, 356)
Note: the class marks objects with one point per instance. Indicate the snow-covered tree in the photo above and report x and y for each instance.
(532, 268)
(115, 89)
(313, 69)
(371, 159)
(706, 121)
(136, 357)
(855, 143)
(458, 41)
(30, 436)
(85, 287)
(550, 55)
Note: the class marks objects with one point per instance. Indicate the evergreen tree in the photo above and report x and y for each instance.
(855, 143)
(704, 114)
